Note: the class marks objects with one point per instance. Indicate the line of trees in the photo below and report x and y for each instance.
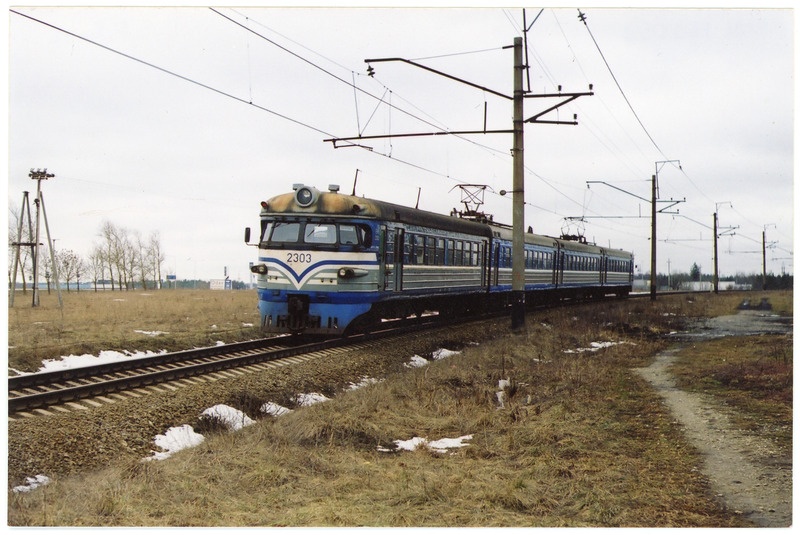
(121, 259)
(124, 258)
(755, 280)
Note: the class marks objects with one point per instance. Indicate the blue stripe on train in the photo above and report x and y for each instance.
(315, 265)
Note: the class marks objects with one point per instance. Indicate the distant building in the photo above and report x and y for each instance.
(221, 284)
(697, 286)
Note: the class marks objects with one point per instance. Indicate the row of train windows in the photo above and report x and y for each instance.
(432, 251)
(544, 260)
(533, 259)
(592, 263)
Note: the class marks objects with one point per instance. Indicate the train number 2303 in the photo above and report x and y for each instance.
(298, 258)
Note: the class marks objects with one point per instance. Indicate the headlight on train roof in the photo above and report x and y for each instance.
(260, 269)
(306, 196)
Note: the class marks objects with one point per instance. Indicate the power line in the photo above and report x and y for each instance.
(171, 73)
(325, 71)
(582, 18)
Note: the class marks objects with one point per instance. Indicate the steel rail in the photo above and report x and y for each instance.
(46, 378)
(149, 377)
(228, 357)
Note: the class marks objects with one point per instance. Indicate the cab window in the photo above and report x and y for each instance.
(324, 233)
(283, 232)
(348, 235)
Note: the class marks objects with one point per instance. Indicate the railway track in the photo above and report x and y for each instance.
(36, 392)
(28, 394)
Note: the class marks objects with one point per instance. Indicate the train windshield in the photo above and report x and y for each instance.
(279, 232)
(283, 232)
(322, 233)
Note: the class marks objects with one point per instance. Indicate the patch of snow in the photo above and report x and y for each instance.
(175, 440)
(596, 346)
(502, 384)
(442, 353)
(443, 444)
(150, 333)
(32, 483)
(273, 409)
(234, 419)
(304, 400)
(416, 362)
(78, 361)
(247, 324)
(365, 381)
(438, 446)
(411, 444)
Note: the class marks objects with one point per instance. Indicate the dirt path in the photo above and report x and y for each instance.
(741, 467)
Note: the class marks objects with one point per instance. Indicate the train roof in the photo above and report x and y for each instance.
(338, 204)
(309, 200)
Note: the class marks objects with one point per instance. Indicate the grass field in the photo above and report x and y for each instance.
(90, 322)
(579, 440)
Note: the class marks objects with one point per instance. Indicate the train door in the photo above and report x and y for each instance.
(558, 267)
(496, 264)
(386, 259)
(399, 245)
(484, 257)
(603, 270)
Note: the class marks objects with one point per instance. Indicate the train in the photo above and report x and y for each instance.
(333, 264)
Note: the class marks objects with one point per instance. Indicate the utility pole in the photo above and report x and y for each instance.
(764, 255)
(518, 164)
(37, 175)
(764, 259)
(653, 280)
(716, 257)
(653, 212)
(717, 234)
(518, 202)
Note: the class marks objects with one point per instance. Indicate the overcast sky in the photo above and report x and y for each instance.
(209, 112)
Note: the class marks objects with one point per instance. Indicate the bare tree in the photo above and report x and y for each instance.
(156, 256)
(108, 233)
(96, 264)
(129, 258)
(70, 265)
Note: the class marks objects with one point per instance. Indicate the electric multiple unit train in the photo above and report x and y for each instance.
(333, 264)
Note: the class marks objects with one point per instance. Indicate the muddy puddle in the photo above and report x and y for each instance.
(747, 475)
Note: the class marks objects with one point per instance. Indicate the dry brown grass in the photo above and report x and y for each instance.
(94, 321)
(753, 374)
(581, 440)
